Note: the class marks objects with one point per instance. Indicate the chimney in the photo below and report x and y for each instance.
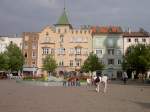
(129, 30)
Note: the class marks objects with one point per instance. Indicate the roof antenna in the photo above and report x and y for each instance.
(64, 5)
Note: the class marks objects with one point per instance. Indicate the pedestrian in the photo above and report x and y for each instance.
(77, 82)
(125, 77)
(97, 82)
(64, 81)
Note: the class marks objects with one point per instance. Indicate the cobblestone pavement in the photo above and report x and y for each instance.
(17, 97)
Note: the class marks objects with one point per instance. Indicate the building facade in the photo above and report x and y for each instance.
(30, 52)
(6, 40)
(69, 46)
(108, 46)
(134, 38)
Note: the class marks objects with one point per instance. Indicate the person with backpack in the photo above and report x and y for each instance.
(97, 83)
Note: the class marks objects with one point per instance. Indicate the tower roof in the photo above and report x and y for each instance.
(63, 20)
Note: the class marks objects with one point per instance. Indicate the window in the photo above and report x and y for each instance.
(118, 52)
(25, 55)
(62, 51)
(72, 31)
(71, 63)
(111, 51)
(85, 51)
(76, 31)
(33, 54)
(102, 61)
(58, 30)
(61, 38)
(52, 51)
(65, 30)
(45, 50)
(25, 45)
(119, 62)
(34, 38)
(110, 61)
(129, 40)
(78, 51)
(33, 62)
(143, 40)
(136, 40)
(47, 33)
(99, 51)
(33, 45)
(78, 62)
(61, 63)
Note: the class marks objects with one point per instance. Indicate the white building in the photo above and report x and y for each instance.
(6, 40)
(133, 38)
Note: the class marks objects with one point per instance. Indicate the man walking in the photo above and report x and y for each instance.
(125, 77)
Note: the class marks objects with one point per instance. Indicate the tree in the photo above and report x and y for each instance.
(137, 58)
(13, 57)
(49, 64)
(92, 64)
(3, 62)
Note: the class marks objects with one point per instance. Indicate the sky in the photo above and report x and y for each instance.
(17, 16)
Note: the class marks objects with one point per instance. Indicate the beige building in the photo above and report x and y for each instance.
(69, 46)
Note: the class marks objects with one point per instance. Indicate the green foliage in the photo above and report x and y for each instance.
(3, 62)
(49, 64)
(12, 59)
(137, 58)
(92, 64)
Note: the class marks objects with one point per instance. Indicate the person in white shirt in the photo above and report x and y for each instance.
(124, 77)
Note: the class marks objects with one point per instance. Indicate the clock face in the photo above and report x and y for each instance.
(110, 43)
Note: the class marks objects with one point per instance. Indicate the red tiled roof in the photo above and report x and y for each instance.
(106, 30)
(135, 34)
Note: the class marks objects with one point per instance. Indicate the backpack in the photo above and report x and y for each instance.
(97, 80)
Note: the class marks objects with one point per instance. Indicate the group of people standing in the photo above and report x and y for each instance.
(71, 81)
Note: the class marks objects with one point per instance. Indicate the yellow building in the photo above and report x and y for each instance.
(69, 46)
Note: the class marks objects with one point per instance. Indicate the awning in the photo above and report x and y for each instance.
(30, 69)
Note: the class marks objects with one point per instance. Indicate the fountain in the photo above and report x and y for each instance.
(48, 81)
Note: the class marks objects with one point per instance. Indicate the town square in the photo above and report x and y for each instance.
(16, 97)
